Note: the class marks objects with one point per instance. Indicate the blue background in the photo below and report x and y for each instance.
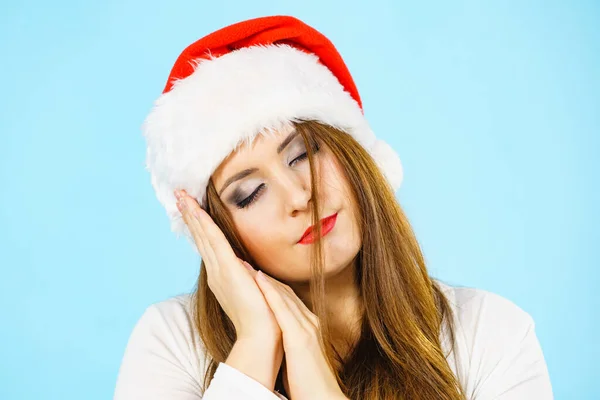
(493, 108)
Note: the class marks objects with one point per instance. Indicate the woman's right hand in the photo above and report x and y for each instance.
(229, 278)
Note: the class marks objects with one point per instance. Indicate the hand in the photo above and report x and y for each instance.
(229, 278)
(306, 372)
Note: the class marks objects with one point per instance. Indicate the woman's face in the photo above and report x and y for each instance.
(266, 187)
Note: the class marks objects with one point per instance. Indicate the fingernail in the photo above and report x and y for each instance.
(177, 194)
(261, 276)
(182, 205)
(196, 211)
(247, 265)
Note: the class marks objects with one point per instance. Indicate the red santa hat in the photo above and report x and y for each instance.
(245, 79)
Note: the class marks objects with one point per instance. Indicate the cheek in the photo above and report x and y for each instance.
(333, 182)
(336, 188)
(262, 240)
(251, 233)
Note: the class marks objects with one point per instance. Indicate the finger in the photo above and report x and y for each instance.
(287, 318)
(195, 229)
(214, 239)
(299, 305)
(198, 233)
(249, 267)
(296, 305)
(217, 247)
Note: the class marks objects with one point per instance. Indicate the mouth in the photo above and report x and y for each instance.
(327, 225)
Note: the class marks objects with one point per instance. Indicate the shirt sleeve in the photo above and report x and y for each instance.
(525, 375)
(160, 362)
(230, 383)
(507, 362)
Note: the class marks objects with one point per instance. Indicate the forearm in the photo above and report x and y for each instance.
(260, 359)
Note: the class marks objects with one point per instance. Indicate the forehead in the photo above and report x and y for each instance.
(266, 140)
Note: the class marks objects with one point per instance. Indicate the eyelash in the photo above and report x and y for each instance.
(250, 199)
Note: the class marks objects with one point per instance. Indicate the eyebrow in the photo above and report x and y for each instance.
(246, 172)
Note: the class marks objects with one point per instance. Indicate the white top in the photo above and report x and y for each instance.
(498, 355)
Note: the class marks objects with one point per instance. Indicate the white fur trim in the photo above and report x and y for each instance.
(389, 162)
(230, 99)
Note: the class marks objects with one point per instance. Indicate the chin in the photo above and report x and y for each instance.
(340, 246)
(337, 259)
(339, 254)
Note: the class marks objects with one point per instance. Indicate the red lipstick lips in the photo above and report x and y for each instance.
(327, 225)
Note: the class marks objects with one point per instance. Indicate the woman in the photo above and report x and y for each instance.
(312, 284)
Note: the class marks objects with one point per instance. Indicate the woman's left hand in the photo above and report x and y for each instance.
(307, 372)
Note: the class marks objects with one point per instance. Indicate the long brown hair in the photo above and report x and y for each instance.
(398, 354)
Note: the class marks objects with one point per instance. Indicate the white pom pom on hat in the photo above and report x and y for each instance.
(389, 162)
(249, 77)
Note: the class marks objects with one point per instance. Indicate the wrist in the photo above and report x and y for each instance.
(262, 339)
(258, 358)
(269, 346)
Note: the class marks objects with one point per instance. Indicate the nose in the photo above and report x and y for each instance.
(296, 192)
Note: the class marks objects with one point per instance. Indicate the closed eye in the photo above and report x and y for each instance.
(301, 157)
(258, 191)
(304, 155)
(248, 200)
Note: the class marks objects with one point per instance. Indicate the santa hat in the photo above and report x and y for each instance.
(244, 79)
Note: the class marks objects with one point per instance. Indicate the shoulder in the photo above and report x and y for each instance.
(482, 310)
(165, 359)
(484, 320)
(163, 350)
(174, 312)
(172, 320)
(496, 347)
